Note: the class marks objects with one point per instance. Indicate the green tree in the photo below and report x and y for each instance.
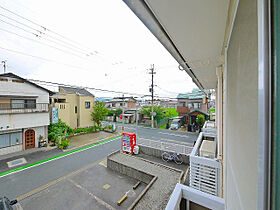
(110, 113)
(170, 113)
(99, 112)
(200, 120)
(159, 110)
(118, 112)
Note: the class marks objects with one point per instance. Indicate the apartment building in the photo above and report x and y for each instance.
(74, 105)
(233, 47)
(24, 113)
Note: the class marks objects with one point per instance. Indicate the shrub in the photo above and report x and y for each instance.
(64, 144)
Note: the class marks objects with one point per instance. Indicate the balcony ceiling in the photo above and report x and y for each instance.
(191, 30)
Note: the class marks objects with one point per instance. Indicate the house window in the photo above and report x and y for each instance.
(76, 109)
(184, 104)
(7, 140)
(62, 106)
(21, 104)
(87, 104)
(190, 105)
(30, 104)
(121, 104)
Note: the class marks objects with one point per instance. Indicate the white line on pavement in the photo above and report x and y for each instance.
(172, 134)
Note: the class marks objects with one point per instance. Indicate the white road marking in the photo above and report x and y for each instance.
(172, 134)
(170, 140)
(176, 141)
(98, 200)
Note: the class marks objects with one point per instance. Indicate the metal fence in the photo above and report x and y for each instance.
(165, 146)
(205, 173)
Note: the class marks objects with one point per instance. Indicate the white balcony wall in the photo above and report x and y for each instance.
(242, 110)
(25, 120)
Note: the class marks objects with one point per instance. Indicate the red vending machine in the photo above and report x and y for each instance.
(128, 142)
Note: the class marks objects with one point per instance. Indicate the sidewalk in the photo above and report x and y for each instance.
(89, 138)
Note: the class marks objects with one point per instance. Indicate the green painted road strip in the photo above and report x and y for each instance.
(55, 157)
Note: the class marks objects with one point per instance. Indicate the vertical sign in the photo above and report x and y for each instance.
(54, 115)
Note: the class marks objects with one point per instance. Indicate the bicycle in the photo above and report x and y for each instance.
(168, 157)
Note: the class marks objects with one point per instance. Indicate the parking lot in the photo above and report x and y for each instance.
(93, 187)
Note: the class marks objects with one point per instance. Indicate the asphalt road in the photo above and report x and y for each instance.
(23, 182)
(161, 134)
(17, 184)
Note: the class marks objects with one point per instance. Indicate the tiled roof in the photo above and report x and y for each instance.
(78, 91)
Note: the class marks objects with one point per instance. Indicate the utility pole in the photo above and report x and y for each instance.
(152, 72)
(123, 112)
(4, 66)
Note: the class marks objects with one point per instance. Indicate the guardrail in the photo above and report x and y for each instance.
(165, 146)
(205, 173)
(14, 108)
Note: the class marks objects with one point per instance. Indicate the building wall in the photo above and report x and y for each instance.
(242, 110)
(66, 111)
(23, 120)
(23, 89)
(85, 114)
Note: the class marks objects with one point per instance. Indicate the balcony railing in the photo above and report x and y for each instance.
(209, 127)
(205, 173)
(193, 196)
(14, 108)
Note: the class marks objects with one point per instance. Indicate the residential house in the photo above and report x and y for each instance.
(119, 102)
(168, 104)
(24, 113)
(233, 47)
(74, 105)
(192, 104)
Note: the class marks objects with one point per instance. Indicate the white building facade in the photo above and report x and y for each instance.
(24, 114)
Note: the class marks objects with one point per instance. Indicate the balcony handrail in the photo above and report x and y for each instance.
(190, 194)
(15, 108)
(5, 106)
(202, 169)
(209, 129)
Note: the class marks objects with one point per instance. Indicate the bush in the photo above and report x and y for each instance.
(64, 144)
(200, 119)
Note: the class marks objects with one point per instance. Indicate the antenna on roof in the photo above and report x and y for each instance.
(4, 65)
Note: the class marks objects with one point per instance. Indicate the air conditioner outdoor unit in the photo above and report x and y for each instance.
(208, 149)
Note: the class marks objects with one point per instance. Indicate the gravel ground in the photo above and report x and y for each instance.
(158, 195)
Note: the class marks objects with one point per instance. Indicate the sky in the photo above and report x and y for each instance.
(89, 43)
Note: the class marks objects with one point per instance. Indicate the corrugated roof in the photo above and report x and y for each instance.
(196, 95)
(78, 91)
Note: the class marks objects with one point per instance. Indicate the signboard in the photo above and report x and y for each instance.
(54, 115)
(153, 113)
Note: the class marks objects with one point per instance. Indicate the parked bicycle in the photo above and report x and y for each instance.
(176, 157)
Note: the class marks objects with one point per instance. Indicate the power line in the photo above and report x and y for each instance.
(42, 58)
(42, 43)
(39, 25)
(40, 36)
(85, 87)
